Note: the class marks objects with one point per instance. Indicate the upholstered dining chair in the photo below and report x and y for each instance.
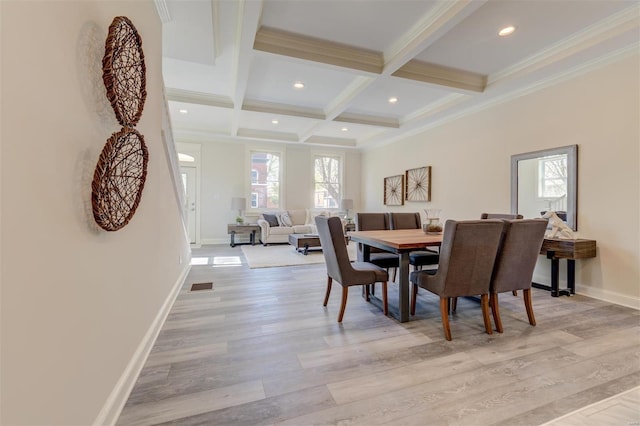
(341, 269)
(376, 222)
(418, 258)
(506, 216)
(519, 251)
(467, 257)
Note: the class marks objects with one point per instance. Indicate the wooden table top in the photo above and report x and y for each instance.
(400, 239)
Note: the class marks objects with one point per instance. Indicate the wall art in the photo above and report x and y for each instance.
(418, 184)
(393, 190)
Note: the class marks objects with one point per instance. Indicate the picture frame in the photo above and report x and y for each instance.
(418, 184)
(393, 190)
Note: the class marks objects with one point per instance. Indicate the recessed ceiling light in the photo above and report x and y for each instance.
(298, 85)
(393, 100)
(344, 129)
(184, 111)
(274, 121)
(506, 31)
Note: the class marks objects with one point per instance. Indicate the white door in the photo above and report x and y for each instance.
(189, 182)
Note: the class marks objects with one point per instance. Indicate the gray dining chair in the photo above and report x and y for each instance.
(376, 222)
(341, 269)
(517, 257)
(467, 257)
(418, 258)
(507, 216)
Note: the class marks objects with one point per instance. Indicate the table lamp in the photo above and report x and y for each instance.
(347, 204)
(238, 203)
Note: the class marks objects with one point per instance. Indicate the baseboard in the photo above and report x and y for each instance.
(609, 296)
(115, 402)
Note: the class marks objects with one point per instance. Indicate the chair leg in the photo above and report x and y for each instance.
(528, 305)
(454, 304)
(444, 312)
(345, 294)
(385, 306)
(495, 310)
(484, 301)
(395, 270)
(328, 292)
(414, 296)
(514, 292)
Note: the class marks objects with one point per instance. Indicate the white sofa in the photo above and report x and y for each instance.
(286, 222)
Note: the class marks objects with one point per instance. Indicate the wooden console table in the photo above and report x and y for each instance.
(556, 249)
(250, 229)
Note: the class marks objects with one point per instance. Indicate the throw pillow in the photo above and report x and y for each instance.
(271, 219)
(285, 220)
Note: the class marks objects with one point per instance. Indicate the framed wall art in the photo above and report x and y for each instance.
(418, 184)
(393, 190)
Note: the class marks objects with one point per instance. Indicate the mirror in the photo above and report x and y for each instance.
(544, 181)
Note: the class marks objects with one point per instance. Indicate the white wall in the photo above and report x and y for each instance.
(470, 160)
(225, 173)
(76, 301)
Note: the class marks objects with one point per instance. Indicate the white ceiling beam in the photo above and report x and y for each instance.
(198, 98)
(442, 76)
(368, 120)
(313, 49)
(282, 109)
(248, 18)
(215, 22)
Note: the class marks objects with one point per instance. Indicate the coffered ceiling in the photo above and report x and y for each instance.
(230, 66)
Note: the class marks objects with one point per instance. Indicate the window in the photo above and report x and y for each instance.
(328, 181)
(265, 166)
(552, 181)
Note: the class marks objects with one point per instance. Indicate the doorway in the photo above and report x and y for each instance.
(189, 182)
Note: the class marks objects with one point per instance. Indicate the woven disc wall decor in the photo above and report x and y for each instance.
(123, 71)
(119, 179)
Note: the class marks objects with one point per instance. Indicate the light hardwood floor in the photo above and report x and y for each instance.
(260, 349)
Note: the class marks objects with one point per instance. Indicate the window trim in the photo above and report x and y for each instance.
(341, 183)
(249, 157)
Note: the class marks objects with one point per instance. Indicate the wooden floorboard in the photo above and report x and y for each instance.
(260, 349)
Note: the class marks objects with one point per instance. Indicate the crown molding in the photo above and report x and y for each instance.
(623, 21)
(576, 71)
(326, 140)
(313, 49)
(442, 76)
(434, 108)
(198, 98)
(163, 10)
(266, 134)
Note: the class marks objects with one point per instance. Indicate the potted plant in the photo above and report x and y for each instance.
(239, 220)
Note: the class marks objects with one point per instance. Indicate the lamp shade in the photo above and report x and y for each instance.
(238, 203)
(346, 203)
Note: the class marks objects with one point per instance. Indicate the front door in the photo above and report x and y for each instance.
(189, 182)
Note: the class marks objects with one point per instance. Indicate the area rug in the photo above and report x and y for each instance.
(259, 256)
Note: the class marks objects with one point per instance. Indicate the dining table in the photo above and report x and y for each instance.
(401, 242)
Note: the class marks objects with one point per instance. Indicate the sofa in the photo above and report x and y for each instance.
(275, 227)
